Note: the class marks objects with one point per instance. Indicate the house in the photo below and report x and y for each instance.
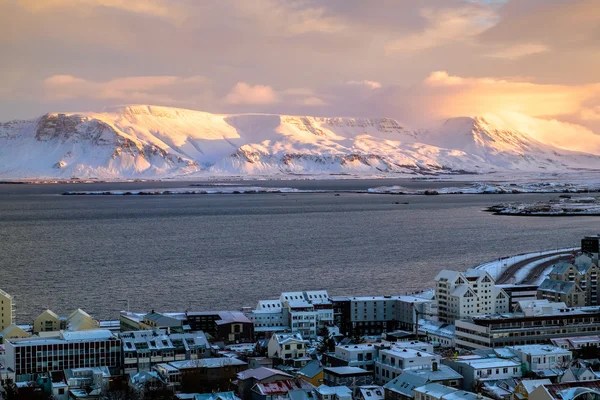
(574, 374)
(289, 348)
(401, 387)
(247, 379)
(393, 360)
(567, 391)
(207, 396)
(463, 294)
(223, 326)
(48, 321)
(435, 391)
(440, 334)
(476, 369)
(203, 375)
(537, 357)
(352, 377)
(278, 389)
(80, 378)
(154, 320)
(527, 386)
(354, 355)
(13, 332)
(312, 373)
(325, 392)
(7, 305)
(371, 392)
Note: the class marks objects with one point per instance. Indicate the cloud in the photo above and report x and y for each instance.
(366, 83)
(519, 50)
(444, 26)
(243, 93)
(155, 8)
(154, 89)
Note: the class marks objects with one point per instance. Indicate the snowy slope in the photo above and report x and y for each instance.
(160, 142)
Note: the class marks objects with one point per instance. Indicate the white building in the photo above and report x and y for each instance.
(463, 294)
(435, 391)
(479, 369)
(358, 355)
(393, 360)
(302, 312)
(542, 356)
(7, 310)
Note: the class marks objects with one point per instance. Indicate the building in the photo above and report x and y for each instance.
(247, 379)
(80, 378)
(374, 315)
(435, 391)
(201, 375)
(351, 377)
(538, 323)
(48, 321)
(354, 355)
(154, 320)
(269, 318)
(440, 334)
(371, 392)
(393, 360)
(463, 294)
(289, 348)
(7, 310)
(281, 389)
(312, 373)
(325, 392)
(576, 342)
(223, 326)
(582, 273)
(13, 332)
(26, 358)
(538, 357)
(519, 292)
(567, 391)
(476, 369)
(562, 291)
(144, 349)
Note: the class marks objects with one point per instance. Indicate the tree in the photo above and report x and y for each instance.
(326, 343)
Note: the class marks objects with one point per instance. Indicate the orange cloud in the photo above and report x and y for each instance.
(243, 93)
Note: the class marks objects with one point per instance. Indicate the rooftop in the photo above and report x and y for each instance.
(346, 371)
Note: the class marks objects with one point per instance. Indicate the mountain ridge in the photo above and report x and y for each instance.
(145, 141)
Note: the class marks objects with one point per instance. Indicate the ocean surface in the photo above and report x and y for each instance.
(204, 252)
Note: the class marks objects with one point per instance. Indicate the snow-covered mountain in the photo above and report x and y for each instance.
(160, 142)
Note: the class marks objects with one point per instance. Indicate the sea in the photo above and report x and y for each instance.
(224, 251)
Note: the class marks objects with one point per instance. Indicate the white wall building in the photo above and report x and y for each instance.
(542, 356)
(393, 360)
(286, 346)
(475, 368)
(358, 355)
(463, 294)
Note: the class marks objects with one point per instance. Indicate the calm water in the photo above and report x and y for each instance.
(173, 253)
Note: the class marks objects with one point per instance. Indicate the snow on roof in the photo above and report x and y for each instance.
(435, 390)
(539, 349)
(346, 370)
(92, 334)
(279, 387)
(443, 373)
(488, 363)
(531, 384)
(207, 363)
(325, 390)
(260, 373)
(557, 286)
(405, 383)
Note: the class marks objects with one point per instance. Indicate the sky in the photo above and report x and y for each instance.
(536, 62)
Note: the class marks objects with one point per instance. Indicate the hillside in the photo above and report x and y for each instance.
(162, 142)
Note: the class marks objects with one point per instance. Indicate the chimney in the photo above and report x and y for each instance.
(434, 367)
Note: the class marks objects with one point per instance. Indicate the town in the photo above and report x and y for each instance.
(468, 338)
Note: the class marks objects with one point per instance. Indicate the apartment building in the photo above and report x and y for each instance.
(354, 355)
(463, 294)
(574, 283)
(536, 323)
(224, 326)
(144, 349)
(25, 358)
(478, 369)
(373, 315)
(7, 310)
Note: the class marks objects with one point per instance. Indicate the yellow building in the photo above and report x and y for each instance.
(47, 321)
(7, 310)
(13, 332)
(79, 320)
(312, 373)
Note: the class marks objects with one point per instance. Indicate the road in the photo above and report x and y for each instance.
(514, 268)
